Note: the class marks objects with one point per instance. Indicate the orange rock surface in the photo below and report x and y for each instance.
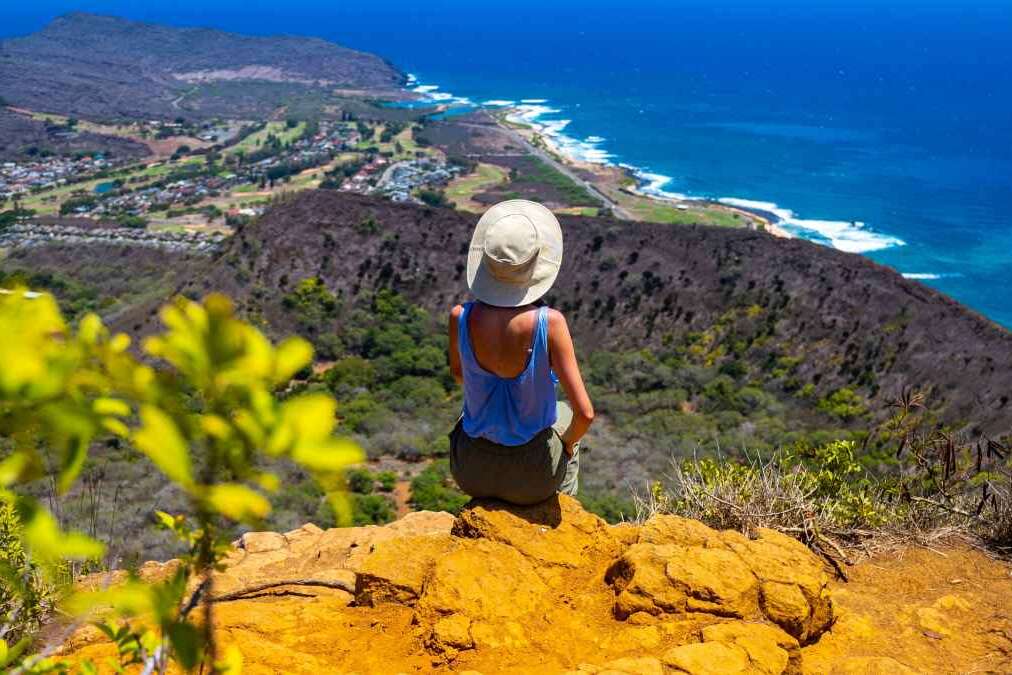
(554, 589)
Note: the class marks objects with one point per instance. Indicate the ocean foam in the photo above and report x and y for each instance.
(534, 100)
(430, 92)
(499, 102)
(652, 184)
(852, 237)
(552, 130)
(928, 275)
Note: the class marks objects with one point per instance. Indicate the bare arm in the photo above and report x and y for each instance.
(454, 351)
(563, 357)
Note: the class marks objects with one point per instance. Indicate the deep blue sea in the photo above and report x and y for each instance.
(881, 128)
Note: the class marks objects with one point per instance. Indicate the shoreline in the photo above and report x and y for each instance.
(639, 193)
(620, 178)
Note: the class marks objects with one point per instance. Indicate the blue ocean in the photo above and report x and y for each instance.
(881, 128)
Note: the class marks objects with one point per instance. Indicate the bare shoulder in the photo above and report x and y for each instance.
(456, 312)
(557, 322)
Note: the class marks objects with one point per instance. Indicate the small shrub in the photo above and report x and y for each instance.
(360, 481)
(372, 510)
(25, 597)
(433, 489)
(387, 480)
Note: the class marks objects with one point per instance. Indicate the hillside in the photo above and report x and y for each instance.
(106, 68)
(691, 338)
(840, 319)
(553, 589)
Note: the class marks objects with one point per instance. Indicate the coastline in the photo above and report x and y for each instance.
(610, 178)
(633, 192)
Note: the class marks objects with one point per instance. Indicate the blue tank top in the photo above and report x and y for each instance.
(508, 411)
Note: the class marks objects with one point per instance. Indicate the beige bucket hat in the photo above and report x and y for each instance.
(515, 253)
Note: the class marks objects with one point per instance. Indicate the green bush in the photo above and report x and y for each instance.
(313, 306)
(387, 480)
(372, 510)
(360, 480)
(433, 489)
(350, 375)
(434, 197)
(611, 507)
(844, 404)
(25, 597)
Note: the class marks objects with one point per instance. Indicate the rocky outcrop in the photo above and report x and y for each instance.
(549, 588)
(681, 566)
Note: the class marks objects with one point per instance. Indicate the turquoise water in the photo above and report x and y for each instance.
(884, 129)
(103, 188)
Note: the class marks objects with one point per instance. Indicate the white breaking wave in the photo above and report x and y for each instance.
(652, 184)
(852, 236)
(431, 93)
(499, 102)
(928, 275)
(552, 130)
(534, 100)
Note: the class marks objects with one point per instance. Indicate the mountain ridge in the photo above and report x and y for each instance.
(104, 67)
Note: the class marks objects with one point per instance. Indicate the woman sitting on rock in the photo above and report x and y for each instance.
(514, 441)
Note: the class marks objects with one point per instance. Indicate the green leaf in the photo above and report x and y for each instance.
(328, 456)
(311, 416)
(186, 642)
(131, 598)
(166, 520)
(291, 356)
(17, 468)
(47, 542)
(231, 663)
(238, 502)
(159, 438)
(107, 629)
(73, 462)
(110, 406)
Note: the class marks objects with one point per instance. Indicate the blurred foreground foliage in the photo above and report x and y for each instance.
(203, 407)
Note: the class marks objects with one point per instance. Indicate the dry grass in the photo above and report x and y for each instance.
(845, 514)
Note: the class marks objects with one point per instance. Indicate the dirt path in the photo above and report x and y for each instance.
(920, 611)
(402, 498)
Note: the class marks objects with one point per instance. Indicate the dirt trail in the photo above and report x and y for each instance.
(402, 497)
(947, 611)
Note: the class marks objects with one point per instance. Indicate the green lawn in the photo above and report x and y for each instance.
(462, 190)
(253, 142)
(654, 211)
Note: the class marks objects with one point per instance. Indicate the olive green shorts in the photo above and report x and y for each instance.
(522, 474)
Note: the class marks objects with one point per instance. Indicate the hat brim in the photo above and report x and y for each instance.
(492, 291)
